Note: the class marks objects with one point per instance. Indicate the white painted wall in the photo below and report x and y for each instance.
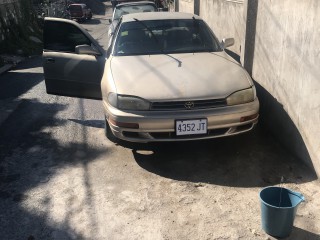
(225, 19)
(186, 6)
(287, 63)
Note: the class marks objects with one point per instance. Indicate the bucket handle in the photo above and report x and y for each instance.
(299, 195)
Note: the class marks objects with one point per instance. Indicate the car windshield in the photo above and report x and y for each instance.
(122, 10)
(164, 37)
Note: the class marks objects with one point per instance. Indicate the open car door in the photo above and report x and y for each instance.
(73, 62)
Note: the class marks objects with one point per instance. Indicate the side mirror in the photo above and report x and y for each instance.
(86, 49)
(110, 21)
(227, 42)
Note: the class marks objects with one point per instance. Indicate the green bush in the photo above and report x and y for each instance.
(17, 34)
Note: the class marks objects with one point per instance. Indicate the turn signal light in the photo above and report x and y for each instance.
(248, 118)
(124, 124)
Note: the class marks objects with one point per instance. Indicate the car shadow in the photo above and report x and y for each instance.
(30, 156)
(254, 159)
(298, 233)
(232, 54)
(92, 21)
(89, 123)
(274, 117)
(20, 80)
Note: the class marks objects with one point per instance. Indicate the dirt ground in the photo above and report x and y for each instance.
(213, 196)
(204, 190)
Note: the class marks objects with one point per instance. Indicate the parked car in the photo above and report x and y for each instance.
(165, 77)
(129, 7)
(80, 11)
(161, 4)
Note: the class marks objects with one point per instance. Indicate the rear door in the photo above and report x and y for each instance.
(67, 72)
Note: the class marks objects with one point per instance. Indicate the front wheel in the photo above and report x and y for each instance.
(89, 16)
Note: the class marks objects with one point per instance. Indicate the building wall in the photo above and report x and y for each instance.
(285, 63)
(279, 45)
(186, 6)
(226, 19)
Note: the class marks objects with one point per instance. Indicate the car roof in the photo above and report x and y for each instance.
(157, 16)
(135, 3)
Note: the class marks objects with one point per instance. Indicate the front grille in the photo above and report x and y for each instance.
(181, 105)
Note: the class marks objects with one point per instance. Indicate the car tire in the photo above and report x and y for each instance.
(90, 16)
(109, 133)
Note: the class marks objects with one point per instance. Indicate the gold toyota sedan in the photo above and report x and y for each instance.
(165, 77)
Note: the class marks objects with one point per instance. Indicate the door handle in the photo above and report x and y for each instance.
(50, 60)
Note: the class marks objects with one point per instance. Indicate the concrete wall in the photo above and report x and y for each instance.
(286, 60)
(279, 46)
(186, 6)
(226, 19)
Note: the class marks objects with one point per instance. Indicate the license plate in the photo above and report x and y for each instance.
(187, 127)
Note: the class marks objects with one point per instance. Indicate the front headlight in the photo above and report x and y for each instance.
(243, 96)
(124, 102)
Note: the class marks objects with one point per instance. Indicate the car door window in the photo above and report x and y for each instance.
(62, 37)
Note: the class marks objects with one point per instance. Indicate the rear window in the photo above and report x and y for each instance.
(123, 10)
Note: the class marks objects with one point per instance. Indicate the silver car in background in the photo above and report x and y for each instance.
(165, 77)
(127, 8)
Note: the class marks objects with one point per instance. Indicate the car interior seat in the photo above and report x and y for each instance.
(178, 38)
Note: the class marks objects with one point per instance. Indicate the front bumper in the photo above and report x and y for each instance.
(159, 126)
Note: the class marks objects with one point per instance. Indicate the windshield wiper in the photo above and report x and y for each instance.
(152, 34)
(158, 43)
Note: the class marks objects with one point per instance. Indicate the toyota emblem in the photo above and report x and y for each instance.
(189, 105)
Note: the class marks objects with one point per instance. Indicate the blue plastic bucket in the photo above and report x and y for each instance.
(278, 210)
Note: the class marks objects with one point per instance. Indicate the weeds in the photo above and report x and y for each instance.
(19, 25)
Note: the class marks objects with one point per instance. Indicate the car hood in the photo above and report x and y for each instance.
(178, 76)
